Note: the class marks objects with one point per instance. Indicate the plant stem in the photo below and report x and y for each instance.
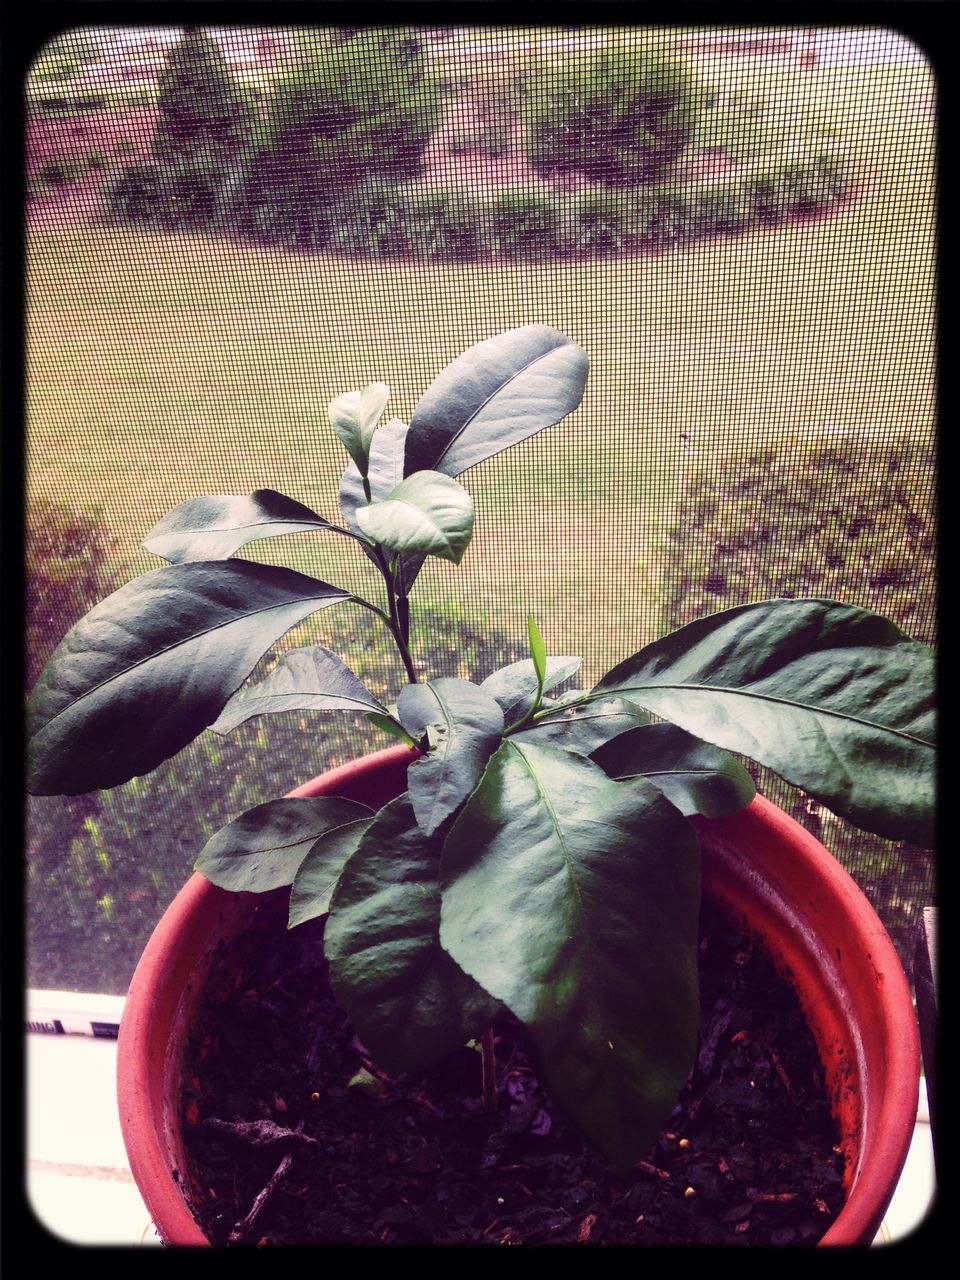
(395, 627)
(399, 625)
(489, 1062)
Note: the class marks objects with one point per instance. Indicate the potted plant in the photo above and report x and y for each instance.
(524, 849)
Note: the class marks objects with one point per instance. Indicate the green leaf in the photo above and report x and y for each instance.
(582, 727)
(385, 473)
(364, 1081)
(467, 725)
(427, 512)
(152, 665)
(391, 726)
(693, 775)
(264, 847)
(575, 900)
(515, 686)
(354, 416)
(407, 1000)
(833, 698)
(496, 394)
(538, 652)
(214, 527)
(308, 679)
(318, 873)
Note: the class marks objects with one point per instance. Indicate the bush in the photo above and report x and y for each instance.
(486, 113)
(91, 915)
(836, 523)
(618, 119)
(720, 209)
(839, 523)
(371, 221)
(595, 222)
(191, 192)
(284, 200)
(489, 137)
(524, 222)
(64, 57)
(202, 114)
(351, 108)
(134, 194)
(66, 574)
(200, 145)
(444, 223)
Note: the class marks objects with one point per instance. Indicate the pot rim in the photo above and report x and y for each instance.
(853, 990)
(889, 1045)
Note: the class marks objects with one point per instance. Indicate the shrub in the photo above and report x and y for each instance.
(489, 137)
(66, 573)
(370, 221)
(190, 192)
(486, 112)
(284, 200)
(664, 220)
(350, 107)
(212, 781)
(595, 222)
(446, 224)
(768, 196)
(838, 523)
(204, 122)
(134, 194)
(524, 222)
(201, 110)
(58, 171)
(763, 527)
(719, 209)
(616, 118)
(65, 57)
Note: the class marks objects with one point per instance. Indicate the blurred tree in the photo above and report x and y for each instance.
(202, 112)
(615, 116)
(362, 102)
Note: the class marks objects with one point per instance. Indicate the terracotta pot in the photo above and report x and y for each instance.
(774, 879)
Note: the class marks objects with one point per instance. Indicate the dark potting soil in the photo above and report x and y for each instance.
(284, 1102)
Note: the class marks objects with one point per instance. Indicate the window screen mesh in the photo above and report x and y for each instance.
(219, 243)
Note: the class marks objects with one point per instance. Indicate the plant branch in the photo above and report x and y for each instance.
(244, 1225)
(394, 623)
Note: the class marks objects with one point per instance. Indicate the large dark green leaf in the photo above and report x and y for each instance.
(466, 725)
(214, 527)
(308, 679)
(152, 665)
(833, 698)
(496, 394)
(407, 1000)
(515, 686)
(264, 847)
(695, 776)
(318, 873)
(575, 900)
